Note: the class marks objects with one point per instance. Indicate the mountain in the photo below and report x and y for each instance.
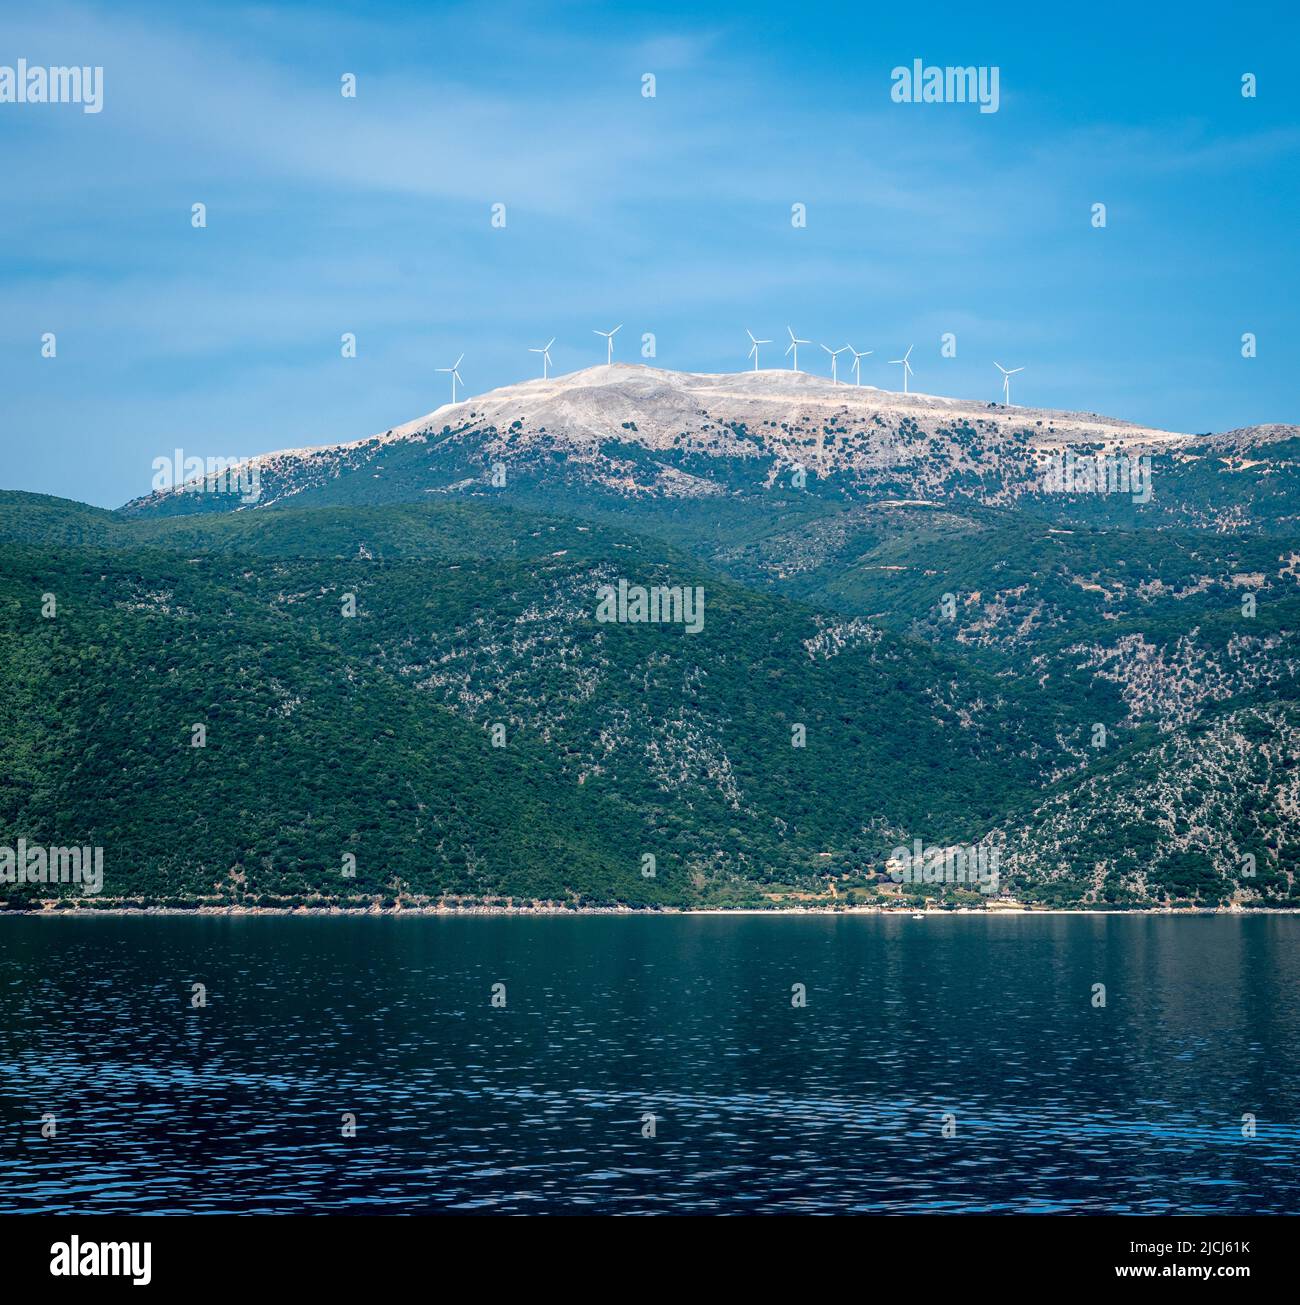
(401, 656)
(664, 443)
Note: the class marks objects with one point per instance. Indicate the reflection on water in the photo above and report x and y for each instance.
(758, 1105)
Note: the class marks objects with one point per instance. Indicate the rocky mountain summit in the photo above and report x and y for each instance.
(634, 434)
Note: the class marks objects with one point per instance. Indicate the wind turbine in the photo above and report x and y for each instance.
(753, 347)
(609, 340)
(835, 353)
(857, 362)
(907, 366)
(795, 342)
(1006, 381)
(455, 375)
(545, 351)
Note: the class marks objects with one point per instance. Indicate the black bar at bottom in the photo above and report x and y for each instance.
(340, 1253)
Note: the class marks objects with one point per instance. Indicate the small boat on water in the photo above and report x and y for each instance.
(918, 915)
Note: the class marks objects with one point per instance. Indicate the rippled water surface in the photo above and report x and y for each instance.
(759, 1105)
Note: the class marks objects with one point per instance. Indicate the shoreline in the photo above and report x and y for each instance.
(354, 912)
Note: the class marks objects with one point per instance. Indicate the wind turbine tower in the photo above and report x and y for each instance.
(835, 355)
(753, 347)
(907, 366)
(857, 362)
(455, 375)
(609, 340)
(545, 351)
(793, 348)
(1006, 381)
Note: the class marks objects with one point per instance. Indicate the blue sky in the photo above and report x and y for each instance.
(671, 215)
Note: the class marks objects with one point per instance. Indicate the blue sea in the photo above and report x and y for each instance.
(650, 1064)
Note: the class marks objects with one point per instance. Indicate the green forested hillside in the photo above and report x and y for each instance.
(371, 735)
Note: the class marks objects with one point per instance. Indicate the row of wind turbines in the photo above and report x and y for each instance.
(792, 352)
(544, 350)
